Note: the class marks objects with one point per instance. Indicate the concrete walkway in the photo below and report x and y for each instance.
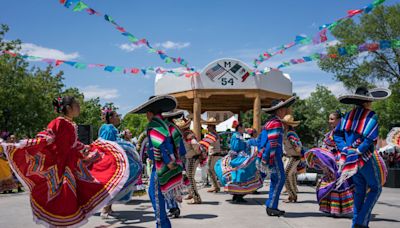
(217, 211)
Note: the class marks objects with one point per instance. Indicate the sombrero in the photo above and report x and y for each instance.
(289, 120)
(183, 123)
(393, 138)
(210, 121)
(363, 95)
(174, 114)
(277, 104)
(157, 104)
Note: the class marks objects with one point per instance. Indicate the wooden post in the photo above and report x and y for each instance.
(257, 113)
(197, 117)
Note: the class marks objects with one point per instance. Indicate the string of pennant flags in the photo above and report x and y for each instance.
(80, 6)
(343, 51)
(320, 37)
(105, 67)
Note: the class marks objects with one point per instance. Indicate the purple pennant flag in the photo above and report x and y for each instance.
(363, 47)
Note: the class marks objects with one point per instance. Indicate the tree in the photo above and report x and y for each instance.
(388, 111)
(314, 112)
(375, 65)
(27, 95)
(366, 69)
(136, 123)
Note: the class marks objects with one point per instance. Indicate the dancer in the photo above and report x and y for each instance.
(7, 181)
(108, 131)
(55, 168)
(166, 181)
(270, 154)
(192, 158)
(179, 146)
(292, 149)
(331, 200)
(237, 171)
(355, 137)
(212, 145)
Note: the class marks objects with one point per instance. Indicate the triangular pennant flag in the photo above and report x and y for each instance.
(80, 6)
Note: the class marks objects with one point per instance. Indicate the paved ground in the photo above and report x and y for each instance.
(216, 211)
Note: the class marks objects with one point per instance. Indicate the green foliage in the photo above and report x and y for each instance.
(388, 111)
(366, 69)
(314, 113)
(136, 123)
(27, 95)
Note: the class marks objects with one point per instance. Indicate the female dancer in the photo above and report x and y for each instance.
(337, 202)
(54, 166)
(237, 171)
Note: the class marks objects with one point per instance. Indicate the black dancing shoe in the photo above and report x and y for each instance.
(174, 212)
(359, 226)
(274, 212)
(239, 199)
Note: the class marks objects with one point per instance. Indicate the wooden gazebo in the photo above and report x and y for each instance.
(225, 85)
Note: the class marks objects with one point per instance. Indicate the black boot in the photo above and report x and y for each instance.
(274, 212)
(174, 212)
(234, 197)
(239, 199)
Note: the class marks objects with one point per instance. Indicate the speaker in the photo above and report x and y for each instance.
(85, 133)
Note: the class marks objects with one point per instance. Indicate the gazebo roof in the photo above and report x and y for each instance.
(225, 84)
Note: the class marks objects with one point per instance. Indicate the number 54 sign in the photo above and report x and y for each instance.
(225, 81)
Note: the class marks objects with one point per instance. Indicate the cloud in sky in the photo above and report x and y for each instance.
(304, 88)
(173, 45)
(130, 47)
(36, 50)
(93, 91)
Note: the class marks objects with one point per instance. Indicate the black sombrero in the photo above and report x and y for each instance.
(157, 104)
(174, 114)
(363, 95)
(277, 104)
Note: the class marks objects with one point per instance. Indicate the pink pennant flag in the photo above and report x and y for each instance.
(59, 62)
(120, 29)
(135, 70)
(322, 36)
(91, 65)
(10, 53)
(354, 12)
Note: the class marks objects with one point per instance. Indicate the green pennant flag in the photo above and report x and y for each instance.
(118, 69)
(80, 6)
(80, 66)
(168, 60)
(377, 2)
(395, 43)
(152, 50)
(352, 49)
(333, 25)
(132, 38)
(306, 40)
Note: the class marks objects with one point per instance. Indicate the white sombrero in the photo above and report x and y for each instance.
(177, 113)
(277, 104)
(393, 138)
(363, 95)
(157, 104)
(289, 120)
(210, 121)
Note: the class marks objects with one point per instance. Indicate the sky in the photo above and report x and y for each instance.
(198, 31)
